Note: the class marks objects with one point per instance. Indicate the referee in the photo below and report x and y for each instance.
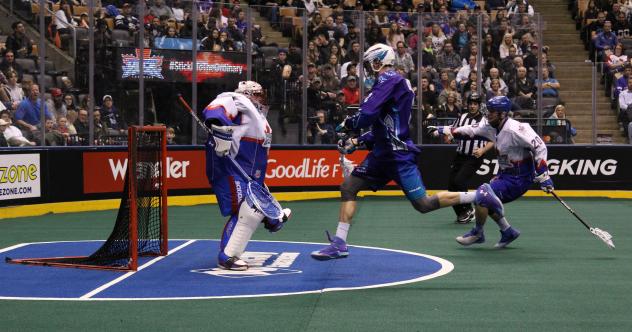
(468, 157)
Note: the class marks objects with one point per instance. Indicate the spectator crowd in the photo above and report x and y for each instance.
(438, 54)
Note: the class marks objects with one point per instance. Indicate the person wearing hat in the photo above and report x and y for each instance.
(351, 90)
(11, 134)
(329, 78)
(126, 21)
(56, 103)
(112, 118)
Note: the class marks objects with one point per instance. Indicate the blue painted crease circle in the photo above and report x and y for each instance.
(277, 268)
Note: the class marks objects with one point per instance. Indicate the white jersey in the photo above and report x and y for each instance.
(251, 136)
(516, 142)
(251, 124)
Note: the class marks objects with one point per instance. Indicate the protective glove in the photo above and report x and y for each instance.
(437, 131)
(274, 225)
(223, 138)
(546, 184)
(346, 124)
(347, 145)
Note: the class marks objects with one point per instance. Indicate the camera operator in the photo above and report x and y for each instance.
(319, 130)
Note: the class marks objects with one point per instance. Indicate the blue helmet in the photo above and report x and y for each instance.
(499, 104)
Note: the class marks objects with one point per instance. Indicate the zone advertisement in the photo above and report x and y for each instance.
(104, 171)
(20, 176)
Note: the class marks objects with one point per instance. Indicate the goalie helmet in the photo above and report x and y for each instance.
(379, 55)
(249, 88)
(254, 91)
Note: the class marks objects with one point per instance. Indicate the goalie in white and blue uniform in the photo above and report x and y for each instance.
(522, 157)
(239, 130)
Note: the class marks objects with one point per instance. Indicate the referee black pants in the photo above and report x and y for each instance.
(462, 169)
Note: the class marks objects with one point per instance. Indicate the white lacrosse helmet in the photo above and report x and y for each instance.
(379, 55)
(254, 91)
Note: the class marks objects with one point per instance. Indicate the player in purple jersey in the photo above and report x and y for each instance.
(387, 111)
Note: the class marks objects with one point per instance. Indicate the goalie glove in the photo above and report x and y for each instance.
(347, 145)
(546, 184)
(222, 138)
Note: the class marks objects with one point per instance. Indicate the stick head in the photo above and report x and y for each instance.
(603, 236)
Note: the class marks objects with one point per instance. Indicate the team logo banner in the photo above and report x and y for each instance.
(177, 66)
(20, 176)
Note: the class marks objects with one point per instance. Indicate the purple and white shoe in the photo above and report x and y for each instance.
(507, 236)
(336, 249)
(475, 235)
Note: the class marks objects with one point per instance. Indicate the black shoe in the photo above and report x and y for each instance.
(466, 217)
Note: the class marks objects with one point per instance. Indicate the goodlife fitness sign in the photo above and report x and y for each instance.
(104, 172)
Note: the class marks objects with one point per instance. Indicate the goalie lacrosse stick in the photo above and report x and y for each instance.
(256, 194)
(599, 233)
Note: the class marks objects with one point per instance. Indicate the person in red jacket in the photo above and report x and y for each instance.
(351, 91)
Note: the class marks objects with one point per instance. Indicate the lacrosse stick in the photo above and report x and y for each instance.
(346, 164)
(256, 194)
(599, 233)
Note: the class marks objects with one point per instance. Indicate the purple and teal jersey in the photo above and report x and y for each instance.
(388, 110)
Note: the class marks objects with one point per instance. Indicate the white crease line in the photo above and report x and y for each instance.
(14, 247)
(129, 274)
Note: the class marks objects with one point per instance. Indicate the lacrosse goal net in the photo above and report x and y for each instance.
(141, 222)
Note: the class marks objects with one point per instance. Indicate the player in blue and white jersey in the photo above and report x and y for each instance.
(387, 110)
(522, 157)
(239, 130)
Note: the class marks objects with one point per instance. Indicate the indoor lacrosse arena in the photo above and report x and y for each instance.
(315, 165)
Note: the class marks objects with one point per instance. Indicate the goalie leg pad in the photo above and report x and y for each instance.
(245, 225)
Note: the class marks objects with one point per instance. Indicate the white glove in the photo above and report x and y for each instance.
(546, 184)
(223, 138)
(441, 130)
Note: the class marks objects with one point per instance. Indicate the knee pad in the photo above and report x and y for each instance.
(245, 225)
(426, 204)
(486, 198)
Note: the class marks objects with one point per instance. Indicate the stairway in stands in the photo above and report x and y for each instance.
(272, 35)
(568, 55)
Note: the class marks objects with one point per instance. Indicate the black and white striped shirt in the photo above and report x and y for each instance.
(466, 145)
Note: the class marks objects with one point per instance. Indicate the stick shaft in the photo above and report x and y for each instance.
(570, 209)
